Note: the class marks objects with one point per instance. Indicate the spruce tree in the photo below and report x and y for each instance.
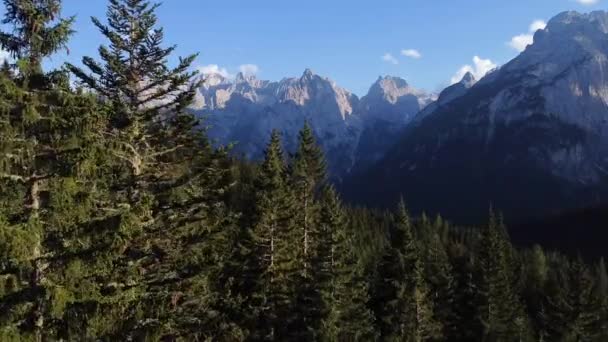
(426, 327)
(573, 308)
(43, 129)
(536, 275)
(439, 274)
(499, 311)
(349, 317)
(38, 32)
(41, 242)
(167, 184)
(272, 251)
(393, 293)
(404, 302)
(306, 176)
(466, 293)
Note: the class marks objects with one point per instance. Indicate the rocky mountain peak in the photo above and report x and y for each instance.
(448, 95)
(541, 119)
(391, 82)
(598, 19)
(468, 80)
(245, 109)
(240, 77)
(308, 74)
(568, 39)
(390, 89)
(212, 80)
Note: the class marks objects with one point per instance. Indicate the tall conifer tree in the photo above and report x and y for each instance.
(500, 310)
(306, 177)
(573, 310)
(41, 134)
(272, 274)
(167, 183)
(439, 275)
(404, 302)
(349, 318)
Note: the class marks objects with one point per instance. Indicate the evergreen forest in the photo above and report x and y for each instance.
(121, 221)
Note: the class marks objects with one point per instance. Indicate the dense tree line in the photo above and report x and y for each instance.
(119, 221)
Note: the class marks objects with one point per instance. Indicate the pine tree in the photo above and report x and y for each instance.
(573, 309)
(42, 242)
(306, 176)
(536, 275)
(426, 327)
(148, 99)
(349, 316)
(43, 129)
(465, 308)
(439, 274)
(167, 185)
(499, 311)
(272, 272)
(395, 272)
(38, 32)
(405, 307)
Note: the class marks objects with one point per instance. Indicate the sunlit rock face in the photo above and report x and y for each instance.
(531, 136)
(244, 110)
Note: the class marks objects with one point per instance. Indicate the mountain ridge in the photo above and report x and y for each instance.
(529, 138)
(244, 110)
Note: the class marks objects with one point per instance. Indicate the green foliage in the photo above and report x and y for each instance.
(349, 318)
(405, 303)
(307, 176)
(37, 33)
(500, 311)
(573, 309)
(119, 221)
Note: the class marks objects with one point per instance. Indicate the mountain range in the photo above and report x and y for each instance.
(353, 132)
(530, 138)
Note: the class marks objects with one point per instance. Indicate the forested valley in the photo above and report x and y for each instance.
(120, 221)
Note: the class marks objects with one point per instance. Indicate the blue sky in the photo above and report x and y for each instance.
(343, 40)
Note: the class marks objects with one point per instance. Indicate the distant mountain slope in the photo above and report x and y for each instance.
(530, 138)
(243, 111)
(578, 232)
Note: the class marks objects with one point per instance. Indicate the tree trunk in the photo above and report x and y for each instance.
(306, 237)
(38, 273)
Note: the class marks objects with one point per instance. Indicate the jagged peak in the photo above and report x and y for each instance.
(568, 17)
(573, 17)
(308, 74)
(468, 80)
(240, 77)
(243, 78)
(565, 17)
(392, 88)
(213, 79)
(395, 81)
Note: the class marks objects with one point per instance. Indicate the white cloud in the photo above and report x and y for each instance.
(521, 41)
(537, 25)
(587, 2)
(412, 53)
(390, 59)
(249, 69)
(214, 69)
(479, 69)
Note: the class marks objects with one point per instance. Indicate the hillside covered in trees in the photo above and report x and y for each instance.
(120, 222)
